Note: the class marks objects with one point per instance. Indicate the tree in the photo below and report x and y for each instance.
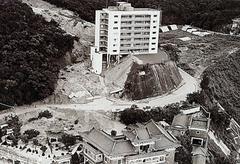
(43, 148)
(68, 140)
(31, 54)
(113, 133)
(35, 143)
(75, 159)
(31, 133)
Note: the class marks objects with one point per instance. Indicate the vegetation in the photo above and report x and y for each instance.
(44, 114)
(14, 123)
(221, 83)
(135, 115)
(31, 133)
(68, 140)
(31, 53)
(75, 159)
(208, 14)
(183, 153)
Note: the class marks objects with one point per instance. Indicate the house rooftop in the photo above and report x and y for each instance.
(151, 132)
(199, 123)
(120, 146)
(107, 144)
(181, 121)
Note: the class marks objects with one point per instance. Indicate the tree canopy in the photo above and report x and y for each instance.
(31, 53)
(207, 14)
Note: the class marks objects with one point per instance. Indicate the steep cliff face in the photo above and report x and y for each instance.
(150, 80)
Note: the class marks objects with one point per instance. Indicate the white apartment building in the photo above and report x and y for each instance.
(122, 30)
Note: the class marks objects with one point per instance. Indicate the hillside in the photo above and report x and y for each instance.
(151, 80)
(31, 54)
(221, 81)
(208, 14)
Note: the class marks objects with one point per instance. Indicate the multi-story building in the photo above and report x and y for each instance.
(122, 30)
(146, 143)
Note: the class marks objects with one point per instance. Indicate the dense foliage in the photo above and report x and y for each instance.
(208, 14)
(134, 115)
(30, 53)
(221, 83)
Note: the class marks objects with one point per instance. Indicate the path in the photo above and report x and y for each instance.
(190, 84)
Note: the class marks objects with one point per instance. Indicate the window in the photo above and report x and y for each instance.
(153, 37)
(115, 28)
(153, 48)
(154, 26)
(154, 21)
(154, 32)
(153, 43)
(114, 50)
(115, 16)
(115, 22)
(155, 15)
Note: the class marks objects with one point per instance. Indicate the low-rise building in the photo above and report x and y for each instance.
(147, 143)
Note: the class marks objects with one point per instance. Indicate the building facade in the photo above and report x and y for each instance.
(146, 143)
(122, 30)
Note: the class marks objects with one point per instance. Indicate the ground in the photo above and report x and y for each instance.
(82, 95)
(200, 52)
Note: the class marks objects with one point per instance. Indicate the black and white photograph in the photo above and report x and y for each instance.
(119, 81)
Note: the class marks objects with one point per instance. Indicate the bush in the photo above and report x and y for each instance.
(43, 148)
(29, 150)
(32, 119)
(76, 122)
(134, 115)
(68, 140)
(31, 133)
(45, 114)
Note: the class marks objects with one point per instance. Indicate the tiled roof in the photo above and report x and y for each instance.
(115, 146)
(108, 144)
(151, 132)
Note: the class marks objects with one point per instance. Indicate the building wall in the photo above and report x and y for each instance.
(97, 61)
(130, 25)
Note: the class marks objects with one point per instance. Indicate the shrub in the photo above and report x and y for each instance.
(31, 133)
(45, 114)
(68, 140)
(76, 122)
(43, 148)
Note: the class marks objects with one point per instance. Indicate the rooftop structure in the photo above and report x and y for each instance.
(141, 143)
(122, 30)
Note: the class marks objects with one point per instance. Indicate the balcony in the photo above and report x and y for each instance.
(103, 21)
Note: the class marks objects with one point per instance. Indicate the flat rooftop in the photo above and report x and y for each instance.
(160, 57)
(125, 6)
(199, 123)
